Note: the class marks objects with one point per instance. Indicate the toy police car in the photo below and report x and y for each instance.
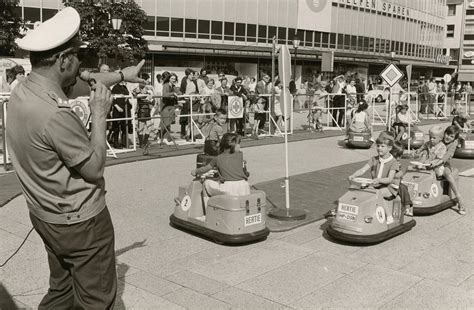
(222, 218)
(364, 216)
(466, 146)
(359, 139)
(430, 194)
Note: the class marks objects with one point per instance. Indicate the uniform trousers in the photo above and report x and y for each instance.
(81, 261)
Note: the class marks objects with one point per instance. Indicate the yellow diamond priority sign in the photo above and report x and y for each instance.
(391, 74)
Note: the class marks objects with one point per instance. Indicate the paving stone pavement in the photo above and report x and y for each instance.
(159, 267)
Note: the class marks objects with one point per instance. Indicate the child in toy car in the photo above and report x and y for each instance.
(450, 140)
(231, 167)
(433, 151)
(383, 168)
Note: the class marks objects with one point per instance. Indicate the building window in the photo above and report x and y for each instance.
(149, 26)
(340, 41)
(451, 9)
(317, 39)
(449, 31)
(282, 35)
(272, 32)
(332, 40)
(262, 34)
(469, 37)
(48, 13)
(468, 12)
(229, 31)
(325, 40)
(251, 33)
(162, 26)
(190, 26)
(239, 32)
(32, 14)
(204, 29)
(216, 30)
(177, 27)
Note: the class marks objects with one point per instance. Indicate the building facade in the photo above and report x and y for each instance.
(236, 36)
(466, 52)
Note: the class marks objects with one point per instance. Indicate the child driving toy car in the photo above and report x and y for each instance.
(402, 120)
(433, 151)
(383, 168)
(231, 166)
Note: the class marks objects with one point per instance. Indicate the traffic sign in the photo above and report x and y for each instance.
(391, 74)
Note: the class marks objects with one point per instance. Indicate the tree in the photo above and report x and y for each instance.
(10, 25)
(125, 44)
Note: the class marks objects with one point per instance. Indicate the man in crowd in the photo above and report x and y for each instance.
(60, 167)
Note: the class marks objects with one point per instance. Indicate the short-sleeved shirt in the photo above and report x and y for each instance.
(380, 168)
(434, 153)
(230, 166)
(46, 141)
(450, 150)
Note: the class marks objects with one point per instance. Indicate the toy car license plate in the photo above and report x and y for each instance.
(253, 219)
(358, 138)
(347, 212)
(346, 208)
(469, 144)
(419, 135)
(346, 216)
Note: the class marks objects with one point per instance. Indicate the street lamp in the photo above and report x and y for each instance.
(116, 23)
(296, 44)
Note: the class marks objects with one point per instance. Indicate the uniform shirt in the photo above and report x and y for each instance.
(46, 141)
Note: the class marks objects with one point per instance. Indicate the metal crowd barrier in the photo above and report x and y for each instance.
(332, 112)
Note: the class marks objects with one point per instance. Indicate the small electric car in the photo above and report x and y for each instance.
(466, 146)
(224, 219)
(416, 138)
(429, 194)
(364, 216)
(361, 140)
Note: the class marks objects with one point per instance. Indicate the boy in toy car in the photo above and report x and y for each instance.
(433, 151)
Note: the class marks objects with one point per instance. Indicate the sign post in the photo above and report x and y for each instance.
(391, 75)
(409, 68)
(284, 73)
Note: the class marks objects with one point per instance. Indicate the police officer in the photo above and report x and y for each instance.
(61, 168)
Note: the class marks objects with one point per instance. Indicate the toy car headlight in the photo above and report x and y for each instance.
(426, 195)
(368, 219)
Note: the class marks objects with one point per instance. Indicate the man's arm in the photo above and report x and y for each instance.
(81, 88)
(92, 169)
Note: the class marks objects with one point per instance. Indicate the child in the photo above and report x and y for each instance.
(319, 104)
(360, 119)
(433, 151)
(450, 140)
(259, 116)
(402, 120)
(383, 168)
(460, 121)
(231, 166)
(402, 189)
(277, 107)
(213, 132)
